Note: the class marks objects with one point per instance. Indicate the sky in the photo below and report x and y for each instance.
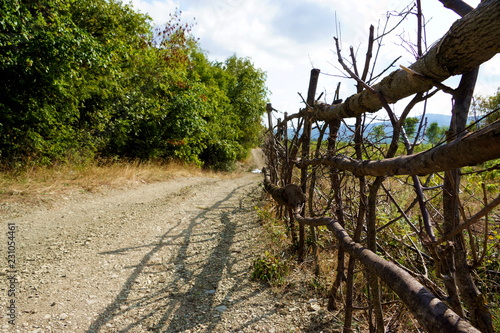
(286, 39)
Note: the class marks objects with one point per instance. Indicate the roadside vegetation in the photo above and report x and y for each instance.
(92, 80)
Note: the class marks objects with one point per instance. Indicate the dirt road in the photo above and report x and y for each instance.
(167, 257)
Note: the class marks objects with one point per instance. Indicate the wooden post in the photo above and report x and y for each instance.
(286, 166)
(272, 156)
(306, 143)
(269, 108)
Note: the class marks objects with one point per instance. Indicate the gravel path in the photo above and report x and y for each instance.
(167, 257)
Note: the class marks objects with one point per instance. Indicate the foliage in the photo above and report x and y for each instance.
(488, 107)
(270, 268)
(435, 133)
(378, 133)
(89, 78)
(246, 91)
(410, 126)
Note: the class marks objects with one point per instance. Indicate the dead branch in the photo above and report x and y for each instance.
(485, 210)
(471, 149)
(290, 196)
(471, 41)
(430, 311)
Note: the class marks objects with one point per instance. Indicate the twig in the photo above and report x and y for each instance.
(473, 219)
(486, 227)
(348, 70)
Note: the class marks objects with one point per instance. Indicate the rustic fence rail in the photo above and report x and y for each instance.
(348, 184)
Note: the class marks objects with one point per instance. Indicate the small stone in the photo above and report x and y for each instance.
(63, 316)
(314, 307)
(221, 308)
(210, 292)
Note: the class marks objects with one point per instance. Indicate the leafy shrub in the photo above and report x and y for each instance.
(270, 268)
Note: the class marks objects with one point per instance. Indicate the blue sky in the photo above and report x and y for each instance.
(287, 39)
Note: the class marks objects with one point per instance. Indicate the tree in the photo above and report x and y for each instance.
(488, 107)
(91, 78)
(435, 133)
(378, 133)
(410, 126)
(62, 76)
(247, 94)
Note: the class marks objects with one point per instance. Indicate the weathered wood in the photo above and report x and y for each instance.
(471, 41)
(430, 311)
(290, 196)
(306, 143)
(471, 149)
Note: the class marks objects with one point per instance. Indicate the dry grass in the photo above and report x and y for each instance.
(44, 183)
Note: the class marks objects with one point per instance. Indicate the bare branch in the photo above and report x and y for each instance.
(472, 149)
(459, 51)
(458, 6)
(430, 311)
(351, 73)
(486, 209)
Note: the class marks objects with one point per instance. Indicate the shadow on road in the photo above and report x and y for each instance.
(187, 289)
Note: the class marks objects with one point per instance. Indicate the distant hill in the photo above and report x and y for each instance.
(346, 131)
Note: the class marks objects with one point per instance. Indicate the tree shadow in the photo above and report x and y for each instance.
(189, 298)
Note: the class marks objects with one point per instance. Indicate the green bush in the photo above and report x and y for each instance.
(88, 78)
(271, 269)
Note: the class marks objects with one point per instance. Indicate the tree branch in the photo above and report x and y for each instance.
(485, 210)
(430, 311)
(471, 149)
(471, 41)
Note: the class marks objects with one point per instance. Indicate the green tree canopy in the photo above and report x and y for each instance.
(93, 78)
(410, 126)
(435, 133)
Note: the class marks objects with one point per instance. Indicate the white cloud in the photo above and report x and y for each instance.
(158, 10)
(287, 39)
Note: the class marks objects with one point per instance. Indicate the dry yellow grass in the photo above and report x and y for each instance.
(36, 183)
(44, 184)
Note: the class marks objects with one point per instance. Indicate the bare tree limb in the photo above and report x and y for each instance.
(471, 41)
(430, 311)
(485, 210)
(472, 149)
(458, 6)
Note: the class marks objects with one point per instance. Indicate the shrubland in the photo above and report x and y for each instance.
(91, 80)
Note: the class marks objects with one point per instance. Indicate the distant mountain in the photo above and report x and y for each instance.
(347, 131)
(441, 119)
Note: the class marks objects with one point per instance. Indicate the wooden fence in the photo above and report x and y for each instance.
(419, 242)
